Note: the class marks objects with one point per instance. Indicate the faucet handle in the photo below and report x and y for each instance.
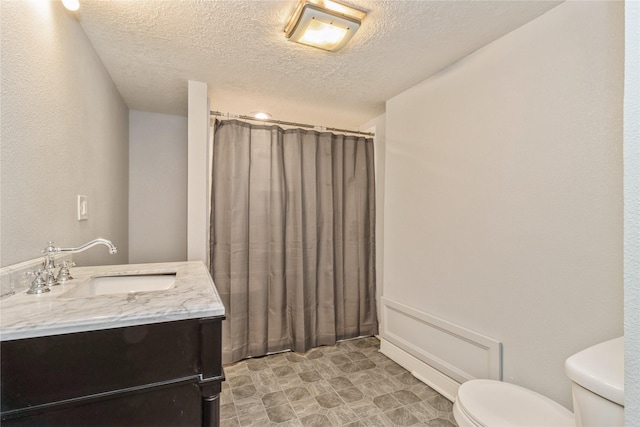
(64, 274)
(38, 285)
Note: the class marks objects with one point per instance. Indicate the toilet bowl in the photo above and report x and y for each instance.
(490, 403)
(597, 376)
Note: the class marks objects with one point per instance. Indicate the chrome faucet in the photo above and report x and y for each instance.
(107, 243)
(50, 251)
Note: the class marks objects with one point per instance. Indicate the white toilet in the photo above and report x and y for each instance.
(597, 376)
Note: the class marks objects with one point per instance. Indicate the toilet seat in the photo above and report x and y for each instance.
(490, 403)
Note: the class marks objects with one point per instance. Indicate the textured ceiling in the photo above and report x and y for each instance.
(152, 48)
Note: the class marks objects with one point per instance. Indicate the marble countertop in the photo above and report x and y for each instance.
(194, 296)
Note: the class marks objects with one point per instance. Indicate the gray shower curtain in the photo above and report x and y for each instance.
(292, 242)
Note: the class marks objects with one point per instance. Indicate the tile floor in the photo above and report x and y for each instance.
(349, 384)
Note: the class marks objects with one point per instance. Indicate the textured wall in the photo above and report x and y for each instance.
(64, 132)
(503, 198)
(632, 213)
(157, 187)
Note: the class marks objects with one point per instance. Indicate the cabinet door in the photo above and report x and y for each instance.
(44, 370)
(178, 405)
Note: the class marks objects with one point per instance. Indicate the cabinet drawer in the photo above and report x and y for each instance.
(178, 405)
(42, 370)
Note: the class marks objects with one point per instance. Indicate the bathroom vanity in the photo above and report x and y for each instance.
(117, 345)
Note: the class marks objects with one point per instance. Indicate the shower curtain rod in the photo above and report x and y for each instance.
(281, 122)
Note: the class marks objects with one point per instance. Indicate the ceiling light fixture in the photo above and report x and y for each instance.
(260, 115)
(324, 24)
(72, 5)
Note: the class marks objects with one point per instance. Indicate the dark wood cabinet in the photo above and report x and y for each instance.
(161, 374)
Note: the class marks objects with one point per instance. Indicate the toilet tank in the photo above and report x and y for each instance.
(597, 375)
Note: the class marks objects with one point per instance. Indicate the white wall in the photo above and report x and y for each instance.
(157, 187)
(64, 132)
(503, 197)
(198, 175)
(379, 126)
(632, 213)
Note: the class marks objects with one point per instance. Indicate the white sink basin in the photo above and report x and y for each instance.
(123, 284)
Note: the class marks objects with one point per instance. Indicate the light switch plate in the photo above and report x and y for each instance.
(83, 208)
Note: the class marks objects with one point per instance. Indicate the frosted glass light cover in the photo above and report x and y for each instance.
(323, 29)
(323, 35)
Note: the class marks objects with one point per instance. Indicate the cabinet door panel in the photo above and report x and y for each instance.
(43, 370)
(169, 406)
